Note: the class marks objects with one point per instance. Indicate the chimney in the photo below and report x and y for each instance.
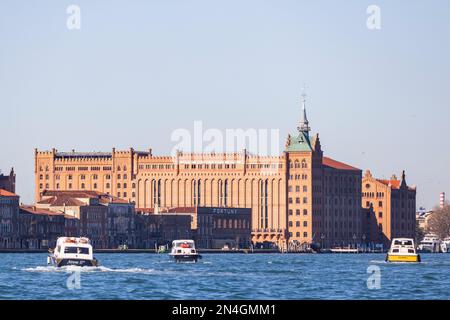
(442, 200)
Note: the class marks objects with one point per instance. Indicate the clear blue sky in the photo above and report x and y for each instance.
(137, 70)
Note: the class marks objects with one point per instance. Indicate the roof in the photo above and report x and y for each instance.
(106, 198)
(299, 143)
(395, 184)
(57, 198)
(84, 154)
(34, 210)
(72, 193)
(5, 193)
(337, 165)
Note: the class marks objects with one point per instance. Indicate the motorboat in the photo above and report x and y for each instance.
(402, 250)
(184, 250)
(72, 251)
(430, 244)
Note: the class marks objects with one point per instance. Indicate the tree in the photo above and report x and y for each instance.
(439, 222)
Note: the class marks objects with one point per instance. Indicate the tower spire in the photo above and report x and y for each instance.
(304, 123)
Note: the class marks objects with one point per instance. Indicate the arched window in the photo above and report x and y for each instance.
(225, 193)
(156, 188)
(296, 165)
(118, 168)
(196, 186)
(304, 164)
(264, 217)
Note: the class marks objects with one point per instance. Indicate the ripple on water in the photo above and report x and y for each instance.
(230, 276)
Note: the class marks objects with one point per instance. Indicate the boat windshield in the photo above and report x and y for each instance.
(403, 243)
(76, 250)
(184, 245)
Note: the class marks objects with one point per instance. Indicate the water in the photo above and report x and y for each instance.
(227, 276)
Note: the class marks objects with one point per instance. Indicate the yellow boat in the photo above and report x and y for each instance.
(402, 250)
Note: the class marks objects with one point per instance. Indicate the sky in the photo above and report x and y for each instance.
(136, 71)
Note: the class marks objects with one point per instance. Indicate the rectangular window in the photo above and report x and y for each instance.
(380, 214)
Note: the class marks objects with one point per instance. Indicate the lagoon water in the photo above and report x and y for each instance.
(227, 276)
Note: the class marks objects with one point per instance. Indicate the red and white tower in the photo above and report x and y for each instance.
(442, 200)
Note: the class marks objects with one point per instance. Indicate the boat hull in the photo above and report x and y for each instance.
(73, 262)
(402, 258)
(186, 257)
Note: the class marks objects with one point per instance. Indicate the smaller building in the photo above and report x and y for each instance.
(422, 218)
(393, 203)
(219, 228)
(161, 228)
(9, 211)
(8, 182)
(39, 228)
(85, 206)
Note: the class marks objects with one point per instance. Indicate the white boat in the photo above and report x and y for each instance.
(184, 250)
(430, 244)
(445, 245)
(72, 251)
(402, 250)
(344, 250)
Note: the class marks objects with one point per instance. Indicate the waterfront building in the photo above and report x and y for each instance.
(86, 207)
(39, 228)
(394, 207)
(107, 220)
(298, 197)
(162, 227)
(422, 218)
(9, 211)
(8, 182)
(219, 228)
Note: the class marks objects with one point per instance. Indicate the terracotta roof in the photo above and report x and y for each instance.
(337, 165)
(34, 210)
(5, 193)
(395, 184)
(62, 200)
(105, 199)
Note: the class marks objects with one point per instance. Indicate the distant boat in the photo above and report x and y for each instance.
(402, 250)
(430, 244)
(184, 250)
(72, 251)
(344, 250)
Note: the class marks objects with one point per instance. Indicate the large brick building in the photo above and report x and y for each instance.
(297, 197)
(393, 205)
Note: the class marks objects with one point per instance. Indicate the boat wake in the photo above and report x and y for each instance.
(88, 269)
